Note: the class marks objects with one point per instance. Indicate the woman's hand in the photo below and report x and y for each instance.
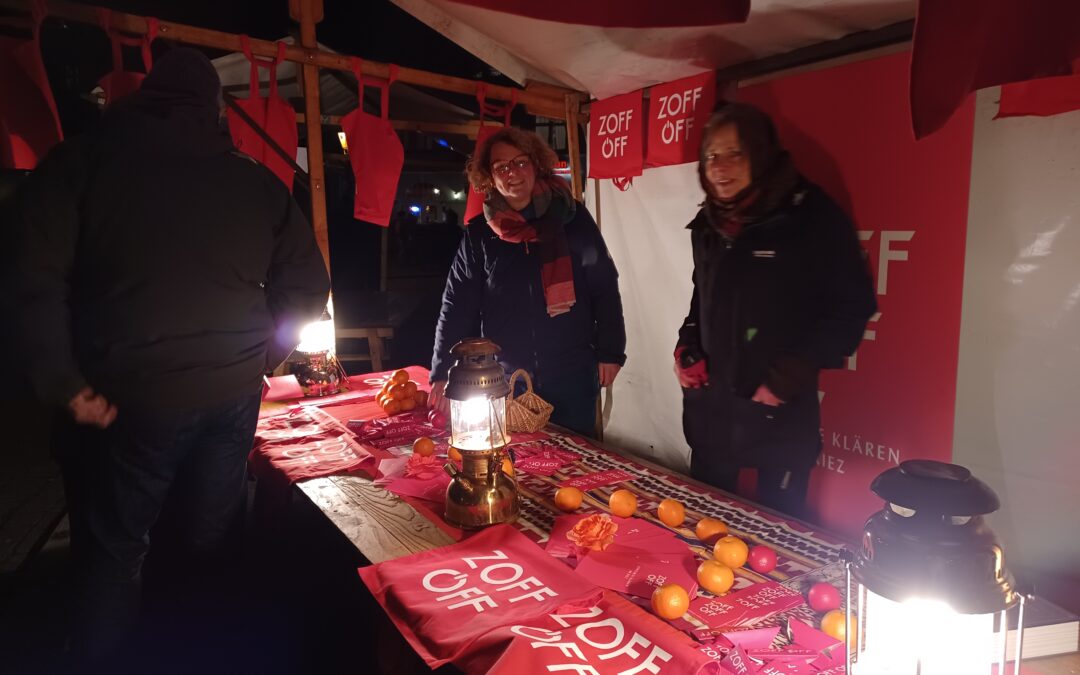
(608, 372)
(437, 398)
(91, 408)
(765, 396)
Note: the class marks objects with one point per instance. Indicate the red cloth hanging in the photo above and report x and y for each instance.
(1041, 98)
(29, 123)
(118, 83)
(961, 46)
(474, 203)
(272, 113)
(375, 153)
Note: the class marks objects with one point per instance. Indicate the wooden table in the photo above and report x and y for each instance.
(382, 526)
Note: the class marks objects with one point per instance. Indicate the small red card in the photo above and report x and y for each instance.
(639, 571)
(598, 479)
(746, 607)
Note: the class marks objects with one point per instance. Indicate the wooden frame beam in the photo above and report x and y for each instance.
(309, 15)
(544, 100)
(468, 128)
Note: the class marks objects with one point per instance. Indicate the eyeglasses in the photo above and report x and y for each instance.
(725, 159)
(519, 163)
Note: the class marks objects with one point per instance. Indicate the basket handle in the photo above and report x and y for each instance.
(513, 380)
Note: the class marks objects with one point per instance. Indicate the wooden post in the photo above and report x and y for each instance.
(309, 15)
(573, 105)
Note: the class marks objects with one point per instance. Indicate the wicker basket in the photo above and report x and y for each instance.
(526, 413)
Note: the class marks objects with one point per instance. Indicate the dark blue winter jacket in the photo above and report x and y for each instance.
(494, 291)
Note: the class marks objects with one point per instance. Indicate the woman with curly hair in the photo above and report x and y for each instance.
(534, 275)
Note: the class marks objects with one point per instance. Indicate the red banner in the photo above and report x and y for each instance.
(616, 137)
(678, 112)
(1043, 97)
(847, 130)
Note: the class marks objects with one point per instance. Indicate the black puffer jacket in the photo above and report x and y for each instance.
(494, 290)
(787, 297)
(155, 263)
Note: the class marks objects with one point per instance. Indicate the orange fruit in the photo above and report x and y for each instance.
(832, 624)
(407, 404)
(400, 377)
(423, 446)
(384, 390)
(670, 601)
(710, 528)
(397, 391)
(508, 467)
(454, 454)
(410, 389)
(731, 551)
(622, 503)
(568, 498)
(384, 399)
(715, 577)
(421, 398)
(671, 513)
(392, 407)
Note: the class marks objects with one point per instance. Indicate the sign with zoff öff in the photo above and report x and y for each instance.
(616, 137)
(678, 112)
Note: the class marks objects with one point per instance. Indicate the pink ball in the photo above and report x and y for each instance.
(762, 559)
(823, 597)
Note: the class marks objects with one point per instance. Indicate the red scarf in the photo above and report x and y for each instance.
(554, 208)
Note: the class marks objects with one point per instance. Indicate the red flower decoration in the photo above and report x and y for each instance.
(594, 532)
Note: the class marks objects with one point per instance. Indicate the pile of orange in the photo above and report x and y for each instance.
(399, 394)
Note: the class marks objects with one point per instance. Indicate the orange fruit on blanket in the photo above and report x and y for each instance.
(832, 624)
(731, 551)
(421, 398)
(423, 446)
(410, 389)
(407, 404)
(715, 577)
(622, 503)
(671, 513)
(710, 528)
(397, 391)
(400, 377)
(392, 407)
(568, 498)
(454, 454)
(508, 467)
(670, 601)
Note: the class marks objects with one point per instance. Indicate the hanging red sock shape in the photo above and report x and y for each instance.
(29, 123)
(474, 205)
(273, 115)
(375, 153)
(118, 83)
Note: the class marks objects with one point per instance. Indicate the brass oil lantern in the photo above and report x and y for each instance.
(480, 494)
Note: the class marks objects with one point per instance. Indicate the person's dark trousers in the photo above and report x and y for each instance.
(783, 490)
(117, 482)
(574, 397)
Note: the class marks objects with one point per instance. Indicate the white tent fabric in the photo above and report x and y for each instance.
(609, 61)
(644, 229)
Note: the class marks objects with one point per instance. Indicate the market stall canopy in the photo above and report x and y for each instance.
(609, 60)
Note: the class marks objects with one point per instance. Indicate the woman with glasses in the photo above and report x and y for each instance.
(781, 290)
(534, 275)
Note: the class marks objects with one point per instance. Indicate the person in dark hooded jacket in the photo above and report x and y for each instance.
(781, 290)
(158, 274)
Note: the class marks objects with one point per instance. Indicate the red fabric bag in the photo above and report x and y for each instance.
(616, 138)
(678, 112)
(1041, 98)
(118, 83)
(29, 123)
(444, 600)
(306, 443)
(611, 636)
(375, 153)
(474, 203)
(272, 113)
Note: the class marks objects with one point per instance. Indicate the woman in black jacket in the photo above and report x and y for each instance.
(533, 274)
(781, 290)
